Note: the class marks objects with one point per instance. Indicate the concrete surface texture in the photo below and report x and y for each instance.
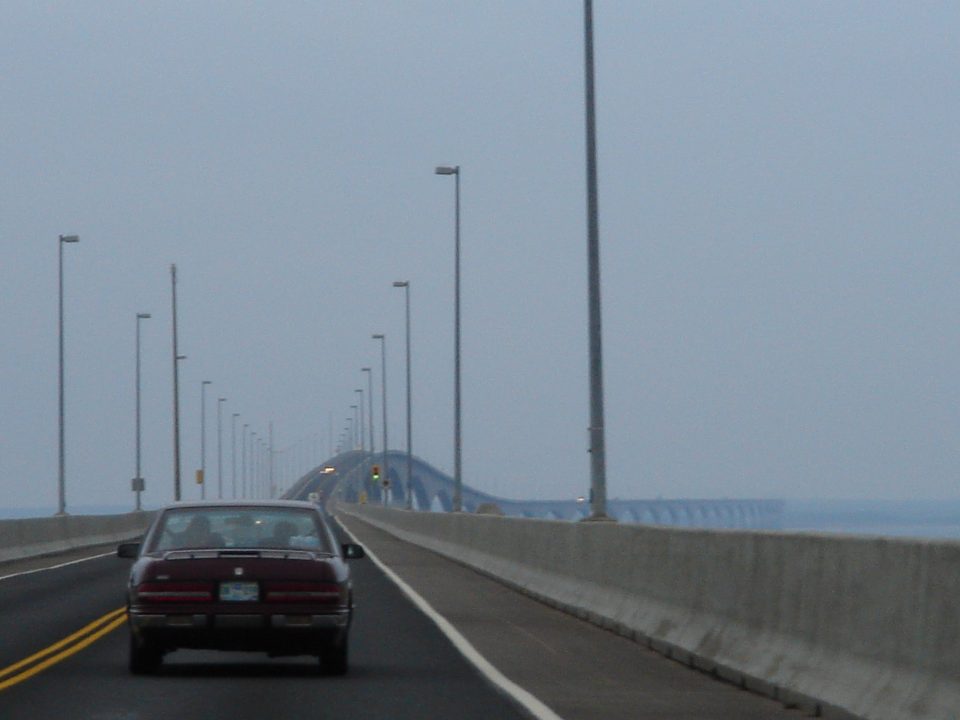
(850, 627)
(43, 536)
(579, 671)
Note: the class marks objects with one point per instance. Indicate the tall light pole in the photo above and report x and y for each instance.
(203, 438)
(270, 458)
(383, 371)
(363, 442)
(457, 465)
(62, 481)
(243, 461)
(253, 464)
(138, 484)
(598, 462)
(355, 426)
(264, 470)
(405, 284)
(369, 372)
(176, 388)
(220, 402)
(233, 454)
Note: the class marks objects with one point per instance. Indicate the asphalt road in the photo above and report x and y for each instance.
(402, 665)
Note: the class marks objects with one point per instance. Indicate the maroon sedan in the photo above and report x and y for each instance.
(255, 576)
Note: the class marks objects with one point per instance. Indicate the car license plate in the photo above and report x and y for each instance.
(239, 591)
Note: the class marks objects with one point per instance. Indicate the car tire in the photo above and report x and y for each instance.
(145, 658)
(334, 659)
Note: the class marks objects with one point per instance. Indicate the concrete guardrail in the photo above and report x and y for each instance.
(32, 537)
(843, 626)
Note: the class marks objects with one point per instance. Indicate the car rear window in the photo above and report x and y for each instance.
(281, 528)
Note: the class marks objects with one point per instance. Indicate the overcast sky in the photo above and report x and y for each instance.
(778, 221)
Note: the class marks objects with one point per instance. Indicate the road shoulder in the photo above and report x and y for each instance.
(580, 671)
(37, 563)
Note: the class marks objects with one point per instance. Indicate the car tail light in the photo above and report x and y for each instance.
(175, 592)
(305, 592)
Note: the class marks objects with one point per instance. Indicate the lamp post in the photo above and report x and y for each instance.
(176, 387)
(62, 481)
(220, 402)
(233, 455)
(203, 438)
(383, 371)
(258, 459)
(138, 484)
(253, 464)
(256, 453)
(363, 440)
(260, 466)
(354, 430)
(270, 458)
(243, 461)
(457, 465)
(405, 284)
(369, 373)
(598, 471)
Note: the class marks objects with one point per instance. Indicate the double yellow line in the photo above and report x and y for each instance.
(62, 649)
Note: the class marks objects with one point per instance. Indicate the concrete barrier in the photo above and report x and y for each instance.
(842, 626)
(44, 536)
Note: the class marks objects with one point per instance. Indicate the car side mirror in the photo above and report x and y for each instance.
(128, 550)
(352, 551)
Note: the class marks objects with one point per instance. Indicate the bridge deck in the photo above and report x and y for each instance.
(582, 672)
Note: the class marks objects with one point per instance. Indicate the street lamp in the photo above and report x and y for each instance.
(383, 371)
(203, 438)
(356, 425)
(138, 484)
(598, 469)
(369, 373)
(62, 485)
(457, 473)
(176, 386)
(405, 284)
(243, 460)
(260, 467)
(363, 441)
(253, 464)
(233, 455)
(220, 402)
(270, 456)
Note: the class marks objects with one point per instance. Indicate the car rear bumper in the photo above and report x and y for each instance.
(274, 633)
(145, 621)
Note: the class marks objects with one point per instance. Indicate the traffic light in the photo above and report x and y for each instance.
(375, 473)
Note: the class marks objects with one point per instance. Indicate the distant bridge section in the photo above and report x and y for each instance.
(432, 489)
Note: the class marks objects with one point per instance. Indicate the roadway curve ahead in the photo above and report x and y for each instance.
(67, 624)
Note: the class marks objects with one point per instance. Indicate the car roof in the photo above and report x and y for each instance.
(265, 504)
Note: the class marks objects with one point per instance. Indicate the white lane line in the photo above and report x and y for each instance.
(527, 700)
(54, 567)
